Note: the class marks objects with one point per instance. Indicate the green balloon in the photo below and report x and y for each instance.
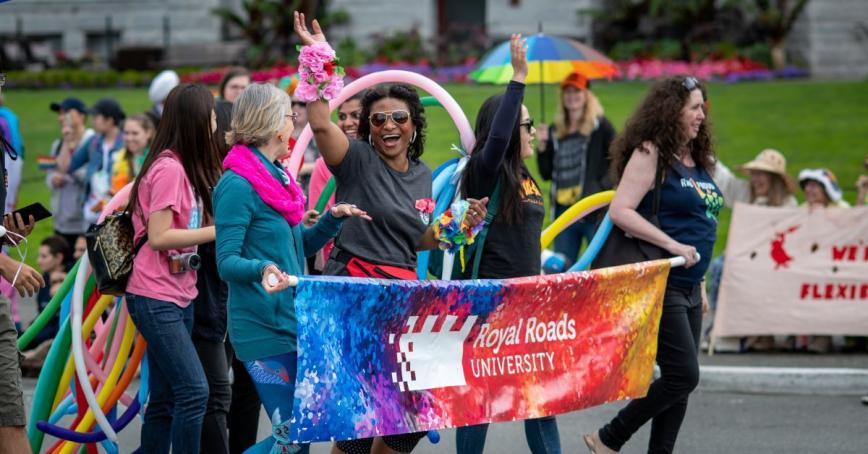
(49, 311)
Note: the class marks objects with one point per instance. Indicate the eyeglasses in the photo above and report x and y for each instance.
(398, 116)
(690, 83)
(355, 115)
(527, 124)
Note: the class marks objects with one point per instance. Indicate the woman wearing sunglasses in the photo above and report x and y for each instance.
(504, 140)
(382, 172)
(669, 136)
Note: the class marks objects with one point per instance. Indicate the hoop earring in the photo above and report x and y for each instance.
(370, 141)
(413, 139)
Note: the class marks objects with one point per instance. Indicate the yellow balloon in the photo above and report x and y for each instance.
(579, 210)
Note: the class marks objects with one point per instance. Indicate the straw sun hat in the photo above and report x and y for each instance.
(771, 161)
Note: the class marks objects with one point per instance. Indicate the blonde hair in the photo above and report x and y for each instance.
(778, 194)
(593, 110)
(257, 115)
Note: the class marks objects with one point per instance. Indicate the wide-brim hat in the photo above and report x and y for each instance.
(826, 178)
(774, 162)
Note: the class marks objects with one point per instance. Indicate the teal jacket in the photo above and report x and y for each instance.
(250, 236)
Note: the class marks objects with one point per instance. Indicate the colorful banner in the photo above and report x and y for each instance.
(794, 271)
(383, 357)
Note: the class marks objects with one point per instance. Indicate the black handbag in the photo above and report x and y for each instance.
(621, 248)
(111, 252)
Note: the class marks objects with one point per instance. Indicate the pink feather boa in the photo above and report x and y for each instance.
(286, 199)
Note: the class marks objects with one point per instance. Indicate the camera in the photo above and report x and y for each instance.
(182, 263)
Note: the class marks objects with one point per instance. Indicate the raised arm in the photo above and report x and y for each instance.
(332, 142)
(507, 113)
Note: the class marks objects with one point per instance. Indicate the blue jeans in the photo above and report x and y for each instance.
(541, 433)
(570, 240)
(179, 389)
(274, 379)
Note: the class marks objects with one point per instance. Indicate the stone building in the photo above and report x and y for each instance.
(831, 37)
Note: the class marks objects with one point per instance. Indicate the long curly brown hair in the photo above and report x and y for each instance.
(658, 120)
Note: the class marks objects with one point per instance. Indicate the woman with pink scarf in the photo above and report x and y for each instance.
(260, 243)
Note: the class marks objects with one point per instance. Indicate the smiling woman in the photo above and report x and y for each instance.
(381, 173)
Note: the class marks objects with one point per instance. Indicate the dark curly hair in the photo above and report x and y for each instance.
(658, 119)
(407, 94)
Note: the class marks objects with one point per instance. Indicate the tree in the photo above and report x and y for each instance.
(775, 20)
(253, 24)
(267, 26)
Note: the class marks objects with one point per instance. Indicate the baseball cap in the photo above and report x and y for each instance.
(68, 104)
(575, 80)
(108, 107)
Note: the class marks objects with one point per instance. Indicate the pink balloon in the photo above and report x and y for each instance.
(390, 76)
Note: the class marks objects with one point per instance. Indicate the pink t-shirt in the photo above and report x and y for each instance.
(164, 186)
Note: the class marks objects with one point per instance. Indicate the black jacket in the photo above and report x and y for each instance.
(209, 307)
(596, 177)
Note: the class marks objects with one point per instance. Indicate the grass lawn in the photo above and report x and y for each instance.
(815, 124)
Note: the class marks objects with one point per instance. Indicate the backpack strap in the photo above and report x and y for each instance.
(493, 203)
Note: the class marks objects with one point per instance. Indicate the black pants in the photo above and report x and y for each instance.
(244, 409)
(666, 402)
(212, 355)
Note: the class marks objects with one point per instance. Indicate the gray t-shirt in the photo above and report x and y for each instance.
(390, 198)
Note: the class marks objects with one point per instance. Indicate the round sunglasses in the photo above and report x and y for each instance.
(398, 116)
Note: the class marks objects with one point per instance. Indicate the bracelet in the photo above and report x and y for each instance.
(319, 74)
(452, 231)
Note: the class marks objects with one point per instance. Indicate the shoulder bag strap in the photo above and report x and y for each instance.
(493, 203)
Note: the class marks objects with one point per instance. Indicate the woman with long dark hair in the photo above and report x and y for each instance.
(669, 135)
(168, 203)
(504, 140)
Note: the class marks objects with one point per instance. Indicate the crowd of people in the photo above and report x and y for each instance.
(207, 179)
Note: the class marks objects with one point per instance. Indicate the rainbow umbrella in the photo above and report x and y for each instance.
(550, 60)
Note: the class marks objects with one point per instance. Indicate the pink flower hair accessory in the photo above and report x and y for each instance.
(320, 73)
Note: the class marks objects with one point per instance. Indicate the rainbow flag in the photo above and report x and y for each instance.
(379, 357)
(46, 163)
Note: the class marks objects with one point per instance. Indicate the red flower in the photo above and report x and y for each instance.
(425, 205)
(329, 68)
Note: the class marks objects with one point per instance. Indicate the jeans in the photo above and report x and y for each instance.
(179, 389)
(274, 378)
(244, 410)
(677, 355)
(570, 240)
(541, 433)
(215, 437)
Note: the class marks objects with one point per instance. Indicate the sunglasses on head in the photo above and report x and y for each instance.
(690, 83)
(398, 116)
(527, 124)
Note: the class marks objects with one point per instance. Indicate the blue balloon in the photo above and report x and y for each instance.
(443, 192)
(594, 246)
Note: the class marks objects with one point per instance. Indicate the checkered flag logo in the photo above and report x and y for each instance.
(429, 358)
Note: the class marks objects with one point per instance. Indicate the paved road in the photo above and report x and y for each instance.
(716, 423)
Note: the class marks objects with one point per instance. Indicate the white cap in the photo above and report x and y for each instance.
(162, 85)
